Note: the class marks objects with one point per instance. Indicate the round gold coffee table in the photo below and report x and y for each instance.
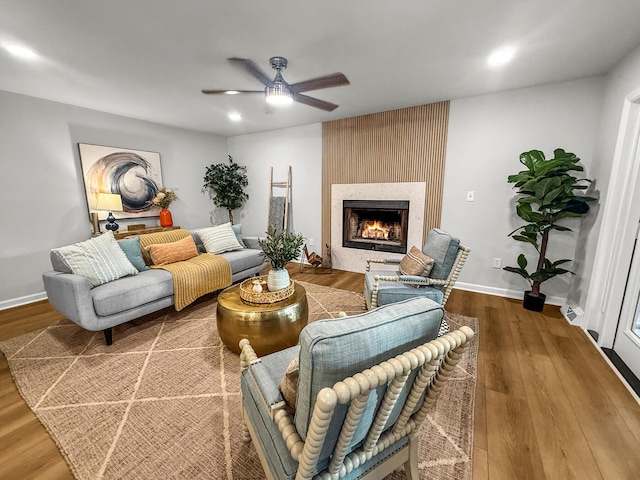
(269, 327)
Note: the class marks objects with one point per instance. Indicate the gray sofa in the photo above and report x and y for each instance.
(130, 297)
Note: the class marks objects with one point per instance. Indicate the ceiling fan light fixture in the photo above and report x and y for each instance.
(278, 94)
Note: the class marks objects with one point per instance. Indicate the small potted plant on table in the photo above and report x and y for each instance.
(280, 247)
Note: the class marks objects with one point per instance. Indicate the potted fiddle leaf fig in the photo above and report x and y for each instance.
(548, 193)
(226, 182)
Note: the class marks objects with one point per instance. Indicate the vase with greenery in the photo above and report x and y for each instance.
(548, 193)
(280, 247)
(226, 182)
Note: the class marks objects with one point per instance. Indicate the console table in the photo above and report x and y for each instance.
(130, 233)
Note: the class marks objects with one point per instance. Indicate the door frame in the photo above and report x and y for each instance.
(618, 229)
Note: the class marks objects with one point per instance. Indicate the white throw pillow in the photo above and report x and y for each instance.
(99, 259)
(219, 239)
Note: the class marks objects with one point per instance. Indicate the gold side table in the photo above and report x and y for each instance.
(269, 327)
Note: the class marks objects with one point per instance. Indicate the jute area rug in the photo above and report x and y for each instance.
(164, 400)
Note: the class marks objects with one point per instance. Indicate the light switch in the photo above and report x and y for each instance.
(471, 196)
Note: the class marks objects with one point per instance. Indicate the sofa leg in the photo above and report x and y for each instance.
(108, 337)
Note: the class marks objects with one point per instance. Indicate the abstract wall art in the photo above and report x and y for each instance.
(133, 174)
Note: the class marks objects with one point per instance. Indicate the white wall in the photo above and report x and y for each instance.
(486, 136)
(607, 269)
(41, 187)
(299, 147)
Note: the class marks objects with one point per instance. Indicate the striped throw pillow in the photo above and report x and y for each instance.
(416, 263)
(100, 259)
(219, 239)
(171, 252)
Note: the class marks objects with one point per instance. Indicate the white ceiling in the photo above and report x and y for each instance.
(149, 59)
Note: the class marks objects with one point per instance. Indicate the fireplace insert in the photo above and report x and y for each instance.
(380, 225)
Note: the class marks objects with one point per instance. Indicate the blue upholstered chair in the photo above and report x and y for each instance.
(382, 287)
(364, 388)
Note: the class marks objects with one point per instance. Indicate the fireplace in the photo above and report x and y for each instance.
(380, 225)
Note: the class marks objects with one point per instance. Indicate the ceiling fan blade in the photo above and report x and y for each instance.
(252, 68)
(314, 102)
(328, 81)
(230, 92)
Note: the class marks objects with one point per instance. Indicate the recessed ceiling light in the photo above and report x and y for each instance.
(235, 116)
(22, 52)
(501, 56)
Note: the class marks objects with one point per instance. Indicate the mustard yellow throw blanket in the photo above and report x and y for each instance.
(192, 278)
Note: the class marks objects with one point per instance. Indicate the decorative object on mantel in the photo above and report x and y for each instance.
(226, 183)
(547, 185)
(164, 198)
(113, 203)
(280, 247)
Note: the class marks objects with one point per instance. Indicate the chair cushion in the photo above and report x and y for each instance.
(258, 392)
(443, 248)
(331, 350)
(416, 263)
(392, 292)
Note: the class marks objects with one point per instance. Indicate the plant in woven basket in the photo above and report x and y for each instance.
(226, 183)
(280, 247)
(547, 195)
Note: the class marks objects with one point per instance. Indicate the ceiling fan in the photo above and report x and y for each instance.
(279, 92)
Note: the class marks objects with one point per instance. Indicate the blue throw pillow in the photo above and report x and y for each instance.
(131, 248)
(237, 229)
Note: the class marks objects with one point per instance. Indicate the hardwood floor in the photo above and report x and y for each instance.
(547, 404)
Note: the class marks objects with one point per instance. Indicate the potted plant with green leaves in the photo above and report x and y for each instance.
(226, 182)
(280, 247)
(548, 193)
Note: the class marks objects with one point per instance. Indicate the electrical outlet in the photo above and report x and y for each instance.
(497, 262)
(311, 242)
(471, 196)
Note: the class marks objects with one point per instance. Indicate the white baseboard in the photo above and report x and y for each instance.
(503, 292)
(16, 302)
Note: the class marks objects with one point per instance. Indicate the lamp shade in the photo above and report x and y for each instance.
(109, 201)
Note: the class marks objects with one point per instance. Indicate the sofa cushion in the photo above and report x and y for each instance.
(443, 248)
(331, 350)
(132, 292)
(172, 252)
(416, 263)
(391, 292)
(131, 248)
(219, 239)
(240, 260)
(100, 260)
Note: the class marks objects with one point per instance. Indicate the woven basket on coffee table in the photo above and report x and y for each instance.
(249, 296)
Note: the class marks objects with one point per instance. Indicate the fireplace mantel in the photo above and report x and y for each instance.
(354, 260)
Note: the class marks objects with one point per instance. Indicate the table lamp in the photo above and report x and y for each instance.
(113, 203)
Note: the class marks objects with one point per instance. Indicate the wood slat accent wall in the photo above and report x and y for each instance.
(406, 145)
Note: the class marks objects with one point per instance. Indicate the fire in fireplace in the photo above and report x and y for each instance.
(380, 225)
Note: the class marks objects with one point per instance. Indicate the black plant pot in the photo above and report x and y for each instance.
(535, 304)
